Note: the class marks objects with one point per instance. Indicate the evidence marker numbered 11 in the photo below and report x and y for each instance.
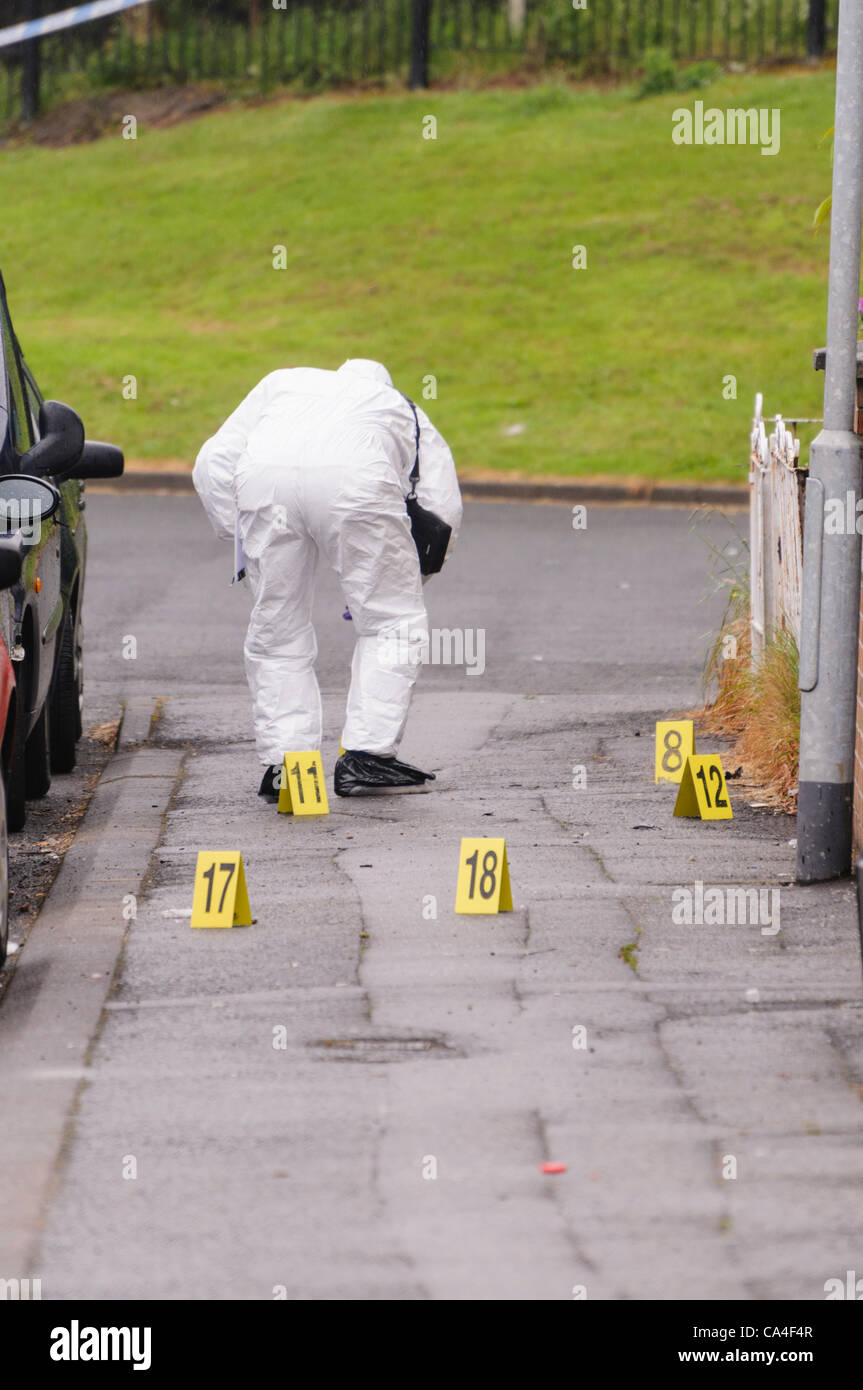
(302, 789)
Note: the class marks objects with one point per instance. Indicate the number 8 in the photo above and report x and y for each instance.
(671, 751)
(488, 873)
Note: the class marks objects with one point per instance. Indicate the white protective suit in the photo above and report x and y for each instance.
(316, 462)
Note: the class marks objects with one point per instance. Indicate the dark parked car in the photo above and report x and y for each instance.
(20, 497)
(45, 439)
(10, 572)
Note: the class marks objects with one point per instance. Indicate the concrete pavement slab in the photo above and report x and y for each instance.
(51, 1016)
(353, 1098)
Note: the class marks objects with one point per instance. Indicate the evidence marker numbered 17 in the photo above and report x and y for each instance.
(220, 898)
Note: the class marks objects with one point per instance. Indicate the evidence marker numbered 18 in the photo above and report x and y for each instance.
(675, 741)
(221, 898)
(702, 789)
(483, 877)
(302, 790)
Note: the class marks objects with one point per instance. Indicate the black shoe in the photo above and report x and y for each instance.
(369, 774)
(271, 782)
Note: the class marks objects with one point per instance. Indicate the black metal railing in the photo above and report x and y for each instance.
(319, 43)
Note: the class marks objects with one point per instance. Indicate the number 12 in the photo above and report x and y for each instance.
(715, 776)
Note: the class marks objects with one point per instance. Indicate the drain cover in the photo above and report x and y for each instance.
(378, 1049)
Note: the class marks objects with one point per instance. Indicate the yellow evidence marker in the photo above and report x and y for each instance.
(221, 898)
(303, 791)
(675, 741)
(702, 789)
(483, 877)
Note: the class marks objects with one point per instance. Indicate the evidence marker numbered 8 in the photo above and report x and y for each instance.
(675, 742)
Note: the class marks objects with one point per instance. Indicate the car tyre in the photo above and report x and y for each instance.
(16, 779)
(4, 877)
(37, 756)
(67, 696)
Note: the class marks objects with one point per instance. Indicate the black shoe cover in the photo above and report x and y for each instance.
(368, 774)
(271, 782)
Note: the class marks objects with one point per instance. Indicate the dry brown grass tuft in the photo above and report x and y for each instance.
(105, 733)
(759, 708)
(770, 741)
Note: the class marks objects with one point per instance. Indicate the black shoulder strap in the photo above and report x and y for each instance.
(415, 471)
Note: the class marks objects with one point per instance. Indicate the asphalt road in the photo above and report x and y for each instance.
(613, 614)
(353, 1098)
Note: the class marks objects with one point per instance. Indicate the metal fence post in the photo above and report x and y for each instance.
(420, 22)
(831, 579)
(31, 67)
(757, 474)
(516, 14)
(816, 29)
(30, 80)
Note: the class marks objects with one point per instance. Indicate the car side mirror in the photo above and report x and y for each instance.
(60, 446)
(97, 460)
(10, 561)
(25, 503)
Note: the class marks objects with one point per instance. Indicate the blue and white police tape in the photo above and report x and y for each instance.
(64, 19)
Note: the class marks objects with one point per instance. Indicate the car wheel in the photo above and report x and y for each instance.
(67, 696)
(37, 756)
(16, 780)
(4, 877)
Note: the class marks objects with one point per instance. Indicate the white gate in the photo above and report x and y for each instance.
(775, 530)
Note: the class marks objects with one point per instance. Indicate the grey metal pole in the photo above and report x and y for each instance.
(860, 901)
(831, 563)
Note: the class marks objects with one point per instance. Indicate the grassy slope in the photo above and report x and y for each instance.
(449, 257)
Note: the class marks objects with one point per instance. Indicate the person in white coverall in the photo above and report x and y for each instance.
(318, 462)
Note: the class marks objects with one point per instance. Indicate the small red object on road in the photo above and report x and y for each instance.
(553, 1168)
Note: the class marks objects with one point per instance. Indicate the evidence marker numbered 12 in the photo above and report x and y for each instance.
(221, 898)
(675, 741)
(702, 789)
(302, 790)
(483, 877)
